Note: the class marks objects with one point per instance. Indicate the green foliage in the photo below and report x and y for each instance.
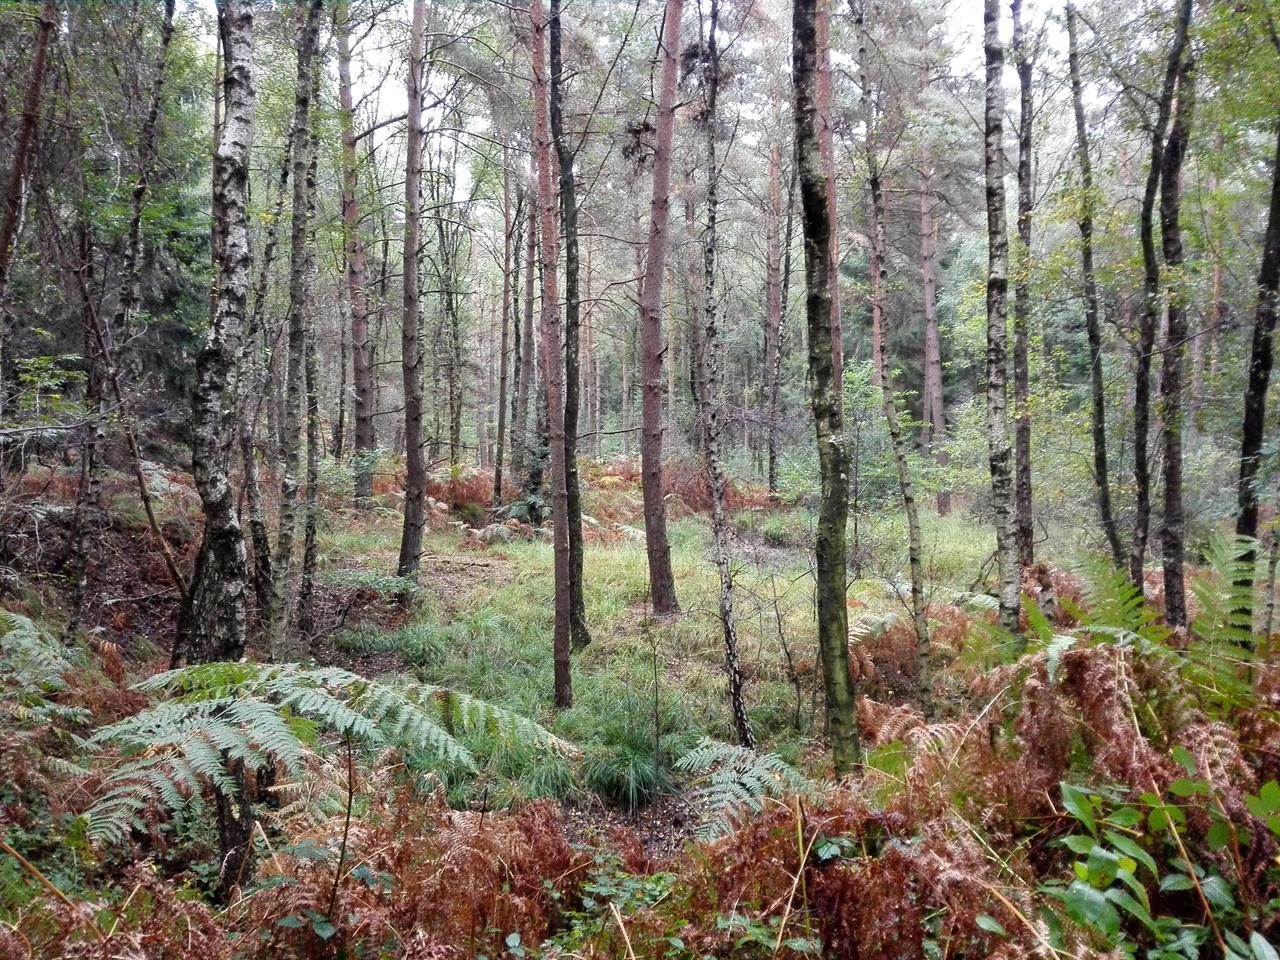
(264, 715)
(735, 782)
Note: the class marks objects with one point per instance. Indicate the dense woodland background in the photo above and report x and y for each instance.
(646, 478)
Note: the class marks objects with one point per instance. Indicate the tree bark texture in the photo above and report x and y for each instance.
(825, 387)
(662, 585)
(1022, 298)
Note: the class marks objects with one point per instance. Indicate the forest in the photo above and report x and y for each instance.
(644, 479)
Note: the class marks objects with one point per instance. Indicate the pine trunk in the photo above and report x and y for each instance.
(415, 492)
(500, 433)
(552, 371)
(357, 269)
(572, 337)
(935, 412)
(662, 585)
(773, 314)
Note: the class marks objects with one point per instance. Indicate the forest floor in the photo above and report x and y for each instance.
(954, 839)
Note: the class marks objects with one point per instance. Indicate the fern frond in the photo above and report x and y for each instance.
(735, 782)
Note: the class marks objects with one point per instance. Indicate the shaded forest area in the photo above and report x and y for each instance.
(639, 478)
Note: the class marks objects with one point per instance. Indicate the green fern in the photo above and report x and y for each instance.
(1221, 648)
(33, 672)
(217, 715)
(735, 782)
(1117, 610)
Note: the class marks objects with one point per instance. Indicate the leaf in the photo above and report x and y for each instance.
(1079, 806)
(1183, 756)
(1188, 788)
(1219, 835)
(1176, 881)
(1125, 817)
(1078, 843)
(291, 922)
(1262, 950)
(1131, 905)
(1218, 892)
(1131, 849)
(990, 924)
(1090, 907)
(1103, 866)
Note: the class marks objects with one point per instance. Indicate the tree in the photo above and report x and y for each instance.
(662, 584)
(884, 375)
(24, 147)
(1172, 530)
(1253, 428)
(709, 393)
(415, 491)
(299, 318)
(572, 326)
(1149, 318)
(1000, 456)
(212, 622)
(809, 59)
(1022, 297)
(357, 263)
(552, 372)
(508, 262)
(1098, 399)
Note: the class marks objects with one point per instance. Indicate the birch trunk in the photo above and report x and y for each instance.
(212, 621)
(1000, 454)
(1022, 299)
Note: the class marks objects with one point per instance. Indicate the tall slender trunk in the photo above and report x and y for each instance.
(357, 262)
(662, 584)
(1098, 407)
(572, 327)
(1000, 454)
(809, 59)
(1173, 528)
(524, 441)
(518, 345)
(552, 371)
(415, 491)
(310, 535)
(876, 267)
(15, 190)
(212, 621)
(299, 317)
(827, 150)
(1149, 319)
(773, 313)
(1253, 429)
(501, 430)
(935, 411)
(710, 393)
(1022, 299)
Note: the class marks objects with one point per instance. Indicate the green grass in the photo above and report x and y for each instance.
(493, 639)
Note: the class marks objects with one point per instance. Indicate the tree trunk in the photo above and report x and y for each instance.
(1101, 474)
(552, 372)
(1149, 319)
(357, 269)
(212, 621)
(1000, 454)
(662, 584)
(773, 314)
(710, 392)
(522, 441)
(518, 345)
(1173, 529)
(1253, 430)
(15, 190)
(501, 430)
(572, 327)
(299, 318)
(935, 412)
(415, 492)
(1022, 300)
(808, 61)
